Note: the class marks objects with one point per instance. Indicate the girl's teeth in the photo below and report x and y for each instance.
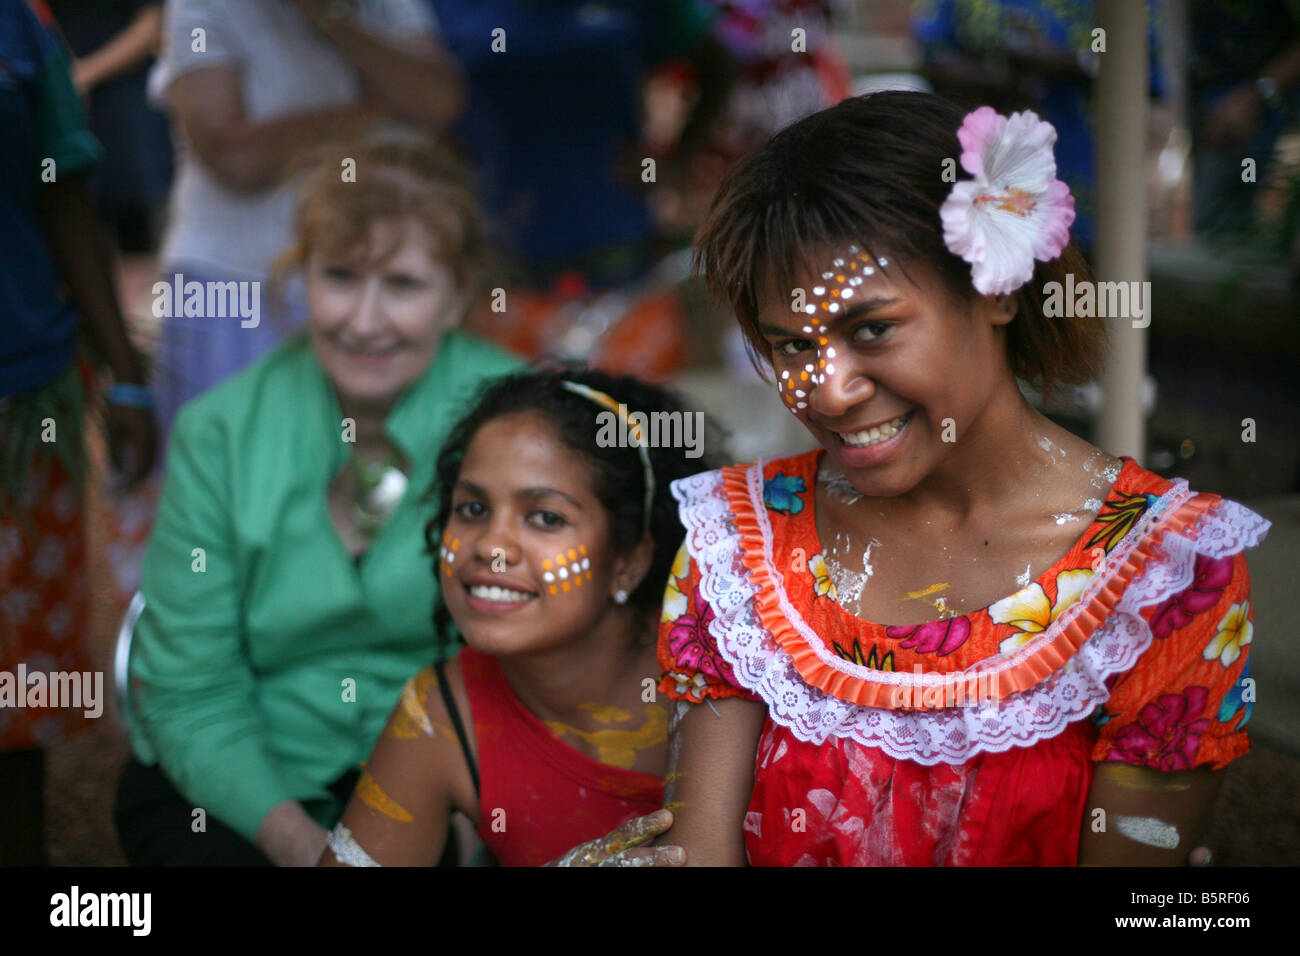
(498, 594)
(874, 435)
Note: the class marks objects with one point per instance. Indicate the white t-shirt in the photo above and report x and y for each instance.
(285, 68)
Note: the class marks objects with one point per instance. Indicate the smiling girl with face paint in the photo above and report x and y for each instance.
(954, 634)
(551, 552)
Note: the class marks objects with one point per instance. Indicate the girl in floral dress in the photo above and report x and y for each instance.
(955, 634)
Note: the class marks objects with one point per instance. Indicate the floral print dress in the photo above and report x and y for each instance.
(970, 740)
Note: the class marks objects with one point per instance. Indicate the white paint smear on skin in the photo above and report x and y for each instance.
(1046, 445)
(1089, 507)
(840, 487)
(1102, 478)
(1023, 580)
(1148, 831)
(849, 584)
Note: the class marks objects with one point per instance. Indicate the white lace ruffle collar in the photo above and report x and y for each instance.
(956, 734)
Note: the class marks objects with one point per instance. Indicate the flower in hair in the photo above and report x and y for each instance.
(1014, 210)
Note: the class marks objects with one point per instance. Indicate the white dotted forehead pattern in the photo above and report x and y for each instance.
(846, 275)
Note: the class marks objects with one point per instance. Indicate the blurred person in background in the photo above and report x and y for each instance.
(251, 85)
(1243, 76)
(50, 238)
(779, 77)
(553, 122)
(287, 592)
(114, 42)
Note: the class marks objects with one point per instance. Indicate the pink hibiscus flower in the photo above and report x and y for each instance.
(1014, 210)
(936, 637)
(691, 645)
(1166, 734)
(1209, 577)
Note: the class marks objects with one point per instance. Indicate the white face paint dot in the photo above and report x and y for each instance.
(564, 572)
(830, 369)
(809, 310)
(833, 307)
(785, 374)
(825, 275)
(819, 290)
(548, 576)
(808, 367)
(868, 271)
(800, 393)
(883, 262)
(801, 405)
(830, 352)
(856, 280)
(807, 329)
(586, 563)
(846, 294)
(839, 262)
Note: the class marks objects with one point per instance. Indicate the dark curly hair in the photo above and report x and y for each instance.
(617, 474)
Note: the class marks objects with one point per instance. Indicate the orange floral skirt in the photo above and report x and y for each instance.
(44, 602)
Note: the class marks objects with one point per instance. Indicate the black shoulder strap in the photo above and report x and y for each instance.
(450, 703)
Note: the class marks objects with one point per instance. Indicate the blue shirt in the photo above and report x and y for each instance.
(550, 121)
(41, 120)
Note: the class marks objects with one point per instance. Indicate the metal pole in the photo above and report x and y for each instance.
(1121, 101)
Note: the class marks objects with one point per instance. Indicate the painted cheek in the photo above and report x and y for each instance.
(834, 292)
(447, 553)
(567, 570)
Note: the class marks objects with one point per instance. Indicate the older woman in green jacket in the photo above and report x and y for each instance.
(287, 595)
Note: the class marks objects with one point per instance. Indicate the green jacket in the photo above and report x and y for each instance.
(266, 661)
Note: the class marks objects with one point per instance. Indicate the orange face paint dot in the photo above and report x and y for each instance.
(572, 554)
(565, 585)
(546, 565)
(553, 590)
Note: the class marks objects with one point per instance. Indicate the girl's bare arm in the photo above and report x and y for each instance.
(400, 809)
(710, 776)
(1149, 817)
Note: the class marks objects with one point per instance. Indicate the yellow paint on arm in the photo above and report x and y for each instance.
(411, 718)
(1140, 778)
(372, 795)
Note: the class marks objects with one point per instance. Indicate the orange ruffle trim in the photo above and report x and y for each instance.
(866, 692)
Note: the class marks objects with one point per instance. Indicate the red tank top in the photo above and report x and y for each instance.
(538, 796)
